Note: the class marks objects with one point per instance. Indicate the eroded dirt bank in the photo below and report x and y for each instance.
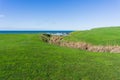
(58, 40)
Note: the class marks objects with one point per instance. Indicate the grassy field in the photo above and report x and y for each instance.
(98, 36)
(26, 57)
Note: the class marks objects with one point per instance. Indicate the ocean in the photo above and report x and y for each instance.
(36, 32)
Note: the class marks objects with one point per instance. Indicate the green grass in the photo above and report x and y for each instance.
(26, 57)
(98, 36)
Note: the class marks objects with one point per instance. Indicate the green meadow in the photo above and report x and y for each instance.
(26, 57)
(97, 36)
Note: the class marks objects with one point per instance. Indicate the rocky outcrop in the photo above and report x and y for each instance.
(58, 40)
(55, 40)
(45, 37)
(79, 45)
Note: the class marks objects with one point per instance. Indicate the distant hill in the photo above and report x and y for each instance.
(97, 36)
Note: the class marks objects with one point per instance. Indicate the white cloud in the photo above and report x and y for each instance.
(1, 15)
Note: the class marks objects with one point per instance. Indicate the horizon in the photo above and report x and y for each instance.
(58, 14)
(65, 30)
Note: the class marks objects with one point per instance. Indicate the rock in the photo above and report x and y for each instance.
(45, 37)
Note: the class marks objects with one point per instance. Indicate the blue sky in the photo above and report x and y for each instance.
(58, 14)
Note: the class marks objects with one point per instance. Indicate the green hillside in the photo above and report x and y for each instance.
(98, 36)
(26, 57)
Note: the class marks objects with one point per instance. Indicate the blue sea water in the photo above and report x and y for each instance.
(34, 32)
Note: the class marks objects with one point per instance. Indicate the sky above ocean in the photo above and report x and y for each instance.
(58, 14)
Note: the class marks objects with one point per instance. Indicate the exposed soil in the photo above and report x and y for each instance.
(58, 40)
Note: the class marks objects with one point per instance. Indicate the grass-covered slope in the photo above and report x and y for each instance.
(98, 36)
(26, 57)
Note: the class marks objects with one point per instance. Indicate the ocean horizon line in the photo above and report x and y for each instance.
(34, 32)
